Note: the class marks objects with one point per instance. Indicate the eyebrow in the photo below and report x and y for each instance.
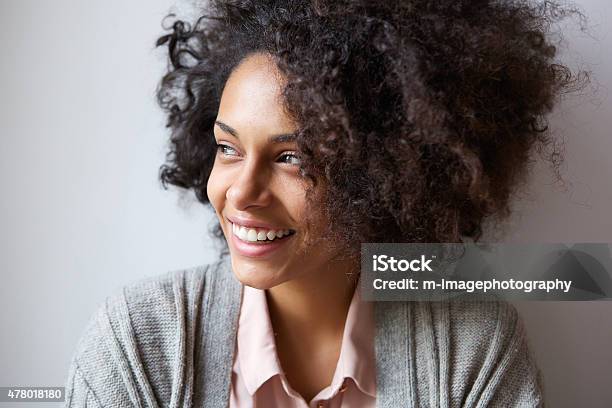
(282, 138)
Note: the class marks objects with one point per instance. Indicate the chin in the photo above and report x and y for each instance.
(257, 276)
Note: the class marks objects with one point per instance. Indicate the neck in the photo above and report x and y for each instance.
(313, 308)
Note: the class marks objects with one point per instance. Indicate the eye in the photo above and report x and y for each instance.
(290, 158)
(226, 150)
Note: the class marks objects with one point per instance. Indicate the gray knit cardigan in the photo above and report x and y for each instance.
(169, 340)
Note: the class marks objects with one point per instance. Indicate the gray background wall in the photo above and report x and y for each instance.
(82, 214)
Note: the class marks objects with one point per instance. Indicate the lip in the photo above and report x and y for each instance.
(252, 223)
(257, 250)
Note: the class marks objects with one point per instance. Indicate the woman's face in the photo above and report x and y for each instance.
(255, 186)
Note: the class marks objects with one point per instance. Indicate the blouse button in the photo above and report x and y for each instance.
(321, 404)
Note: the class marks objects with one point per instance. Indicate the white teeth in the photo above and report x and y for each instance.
(254, 235)
(242, 233)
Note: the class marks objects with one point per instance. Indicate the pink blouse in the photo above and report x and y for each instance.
(258, 379)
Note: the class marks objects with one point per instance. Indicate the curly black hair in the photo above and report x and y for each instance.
(419, 116)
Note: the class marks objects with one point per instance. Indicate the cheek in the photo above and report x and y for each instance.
(215, 188)
(292, 197)
(310, 217)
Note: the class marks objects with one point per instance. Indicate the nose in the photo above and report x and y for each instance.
(250, 188)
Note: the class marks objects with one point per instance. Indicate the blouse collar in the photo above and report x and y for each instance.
(258, 358)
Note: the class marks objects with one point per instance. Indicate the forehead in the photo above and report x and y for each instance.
(252, 96)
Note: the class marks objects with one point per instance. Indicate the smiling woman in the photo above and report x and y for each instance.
(255, 193)
(310, 127)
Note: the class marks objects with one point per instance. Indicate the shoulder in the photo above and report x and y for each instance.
(473, 321)
(128, 347)
(460, 353)
(482, 351)
(462, 320)
(152, 299)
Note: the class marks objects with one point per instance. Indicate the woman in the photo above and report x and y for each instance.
(309, 128)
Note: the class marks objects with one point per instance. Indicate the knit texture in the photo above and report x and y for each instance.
(168, 341)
